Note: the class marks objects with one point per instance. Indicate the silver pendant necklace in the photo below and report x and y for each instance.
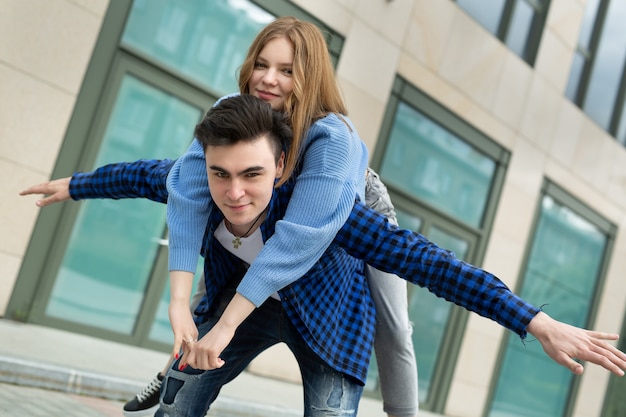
(237, 240)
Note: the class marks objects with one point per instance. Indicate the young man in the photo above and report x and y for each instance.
(326, 317)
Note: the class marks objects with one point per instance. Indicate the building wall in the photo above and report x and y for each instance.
(432, 44)
(45, 50)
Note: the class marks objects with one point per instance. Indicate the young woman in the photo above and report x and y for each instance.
(288, 66)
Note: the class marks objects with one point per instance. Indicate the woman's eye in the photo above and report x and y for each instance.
(259, 65)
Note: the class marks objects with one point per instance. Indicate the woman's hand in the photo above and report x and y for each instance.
(185, 330)
(564, 343)
(206, 353)
(56, 191)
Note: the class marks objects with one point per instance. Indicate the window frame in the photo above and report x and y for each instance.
(535, 32)
(478, 237)
(588, 56)
(561, 196)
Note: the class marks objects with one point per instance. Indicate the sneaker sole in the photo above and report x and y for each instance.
(142, 413)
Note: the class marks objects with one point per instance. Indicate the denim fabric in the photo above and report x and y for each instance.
(326, 392)
(393, 345)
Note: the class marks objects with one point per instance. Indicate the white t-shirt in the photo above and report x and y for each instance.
(248, 248)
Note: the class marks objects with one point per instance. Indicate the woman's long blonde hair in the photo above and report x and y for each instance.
(315, 91)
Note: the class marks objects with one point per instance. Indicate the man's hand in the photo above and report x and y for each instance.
(55, 190)
(564, 343)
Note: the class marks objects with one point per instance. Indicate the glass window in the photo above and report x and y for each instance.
(487, 13)
(520, 28)
(575, 76)
(562, 274)
(586, 29)
(518, 23)
(597, 81)
(205, 41)
(608, 66)
(582, 57)
(621, 129)
(103, 277)
(444, 178)
(426, 160)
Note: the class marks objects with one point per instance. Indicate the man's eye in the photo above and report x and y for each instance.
(221, 175)
(252, 174)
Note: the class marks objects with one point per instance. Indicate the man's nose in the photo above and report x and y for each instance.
(235, 190)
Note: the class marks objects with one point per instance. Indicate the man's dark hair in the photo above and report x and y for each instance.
(244, 118)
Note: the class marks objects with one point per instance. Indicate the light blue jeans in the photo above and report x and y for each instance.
(393, 344)
(191, 392)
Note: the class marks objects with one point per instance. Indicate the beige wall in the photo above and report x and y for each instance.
(45, 49)
(432, 44)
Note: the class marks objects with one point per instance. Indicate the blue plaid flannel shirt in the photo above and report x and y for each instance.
(330, 306)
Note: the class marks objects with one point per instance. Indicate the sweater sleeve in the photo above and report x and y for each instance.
(333, 173)
(187, 208)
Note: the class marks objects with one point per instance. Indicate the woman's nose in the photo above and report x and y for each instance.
(270, 77)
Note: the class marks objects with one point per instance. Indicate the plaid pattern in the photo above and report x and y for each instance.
(331, 305)
(369, 236)
(140, 179)
(335, 317)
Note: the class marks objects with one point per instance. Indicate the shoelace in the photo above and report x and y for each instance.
(153, 387)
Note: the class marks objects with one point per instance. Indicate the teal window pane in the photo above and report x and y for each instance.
(429, 315)
(205, 41)
(520, 27)
(608, 67)
(563, 267)
(575, 75)
(113, 244)
(408, 221)
(589, 19)
(621, 129)
(487, 12)
(531, 384)
(429, 162)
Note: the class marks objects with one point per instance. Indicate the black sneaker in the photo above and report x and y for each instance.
(145, 403)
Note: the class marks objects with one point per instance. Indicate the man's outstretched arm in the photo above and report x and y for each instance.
(139, 179)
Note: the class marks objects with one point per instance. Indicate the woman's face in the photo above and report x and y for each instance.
(271, 79)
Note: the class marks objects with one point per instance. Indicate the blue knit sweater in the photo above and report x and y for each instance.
(331, 175)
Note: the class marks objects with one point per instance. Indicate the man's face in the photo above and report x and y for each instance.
(241, 180)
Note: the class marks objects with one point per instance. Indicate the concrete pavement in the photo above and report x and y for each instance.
(80, 367)
(20, 401)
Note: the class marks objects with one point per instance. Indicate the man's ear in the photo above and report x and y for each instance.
(280, 166)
